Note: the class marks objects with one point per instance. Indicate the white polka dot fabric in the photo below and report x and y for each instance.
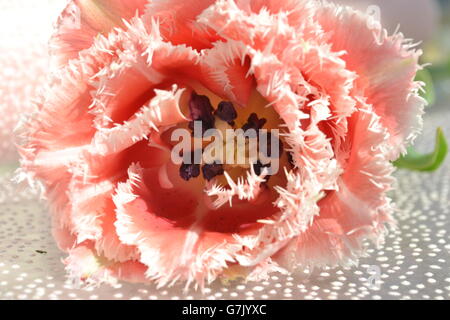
(414, 263)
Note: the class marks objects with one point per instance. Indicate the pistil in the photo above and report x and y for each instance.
(226, 112)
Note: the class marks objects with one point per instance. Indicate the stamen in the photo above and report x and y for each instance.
(254, 122)
(188, 171)
(200, 109)
(212, 170)
(226, 112)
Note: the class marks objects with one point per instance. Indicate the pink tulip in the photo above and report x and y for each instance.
(335, 84)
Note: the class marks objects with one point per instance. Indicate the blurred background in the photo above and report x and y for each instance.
(414, 261)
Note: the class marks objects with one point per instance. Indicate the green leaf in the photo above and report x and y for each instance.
(425, 162)
(429, 94)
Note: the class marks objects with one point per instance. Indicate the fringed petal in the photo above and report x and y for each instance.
(177, 19)
(163, 110)
(225, 71)
(82, 20)
(87, 208)
(386, 68)
(257, 24)
(171, 250)
(86, 268)
(195, 246)
(109, 244)
(55, 137)
(358, 210)
(248, 189)
(144, 63)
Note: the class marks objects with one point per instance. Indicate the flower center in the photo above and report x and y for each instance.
(225, 137)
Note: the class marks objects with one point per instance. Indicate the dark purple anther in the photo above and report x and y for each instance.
(188, 171)
(226, 112)
(212, 170)
(191, 169)
(200, 109)
(254, 122)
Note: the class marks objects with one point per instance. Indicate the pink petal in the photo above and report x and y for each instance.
(358, 210)
(163, 110)
(177, 19)
(85, 265)
(109, 244)
(262, 23)
(225, 71)
(83, 20)
(386, 66)
(183, 240)
(129, 83)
